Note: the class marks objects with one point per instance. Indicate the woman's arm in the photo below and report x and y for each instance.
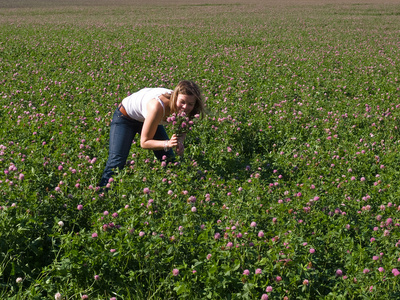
(153, 119)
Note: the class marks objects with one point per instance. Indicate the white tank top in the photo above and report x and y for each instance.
(136, 104)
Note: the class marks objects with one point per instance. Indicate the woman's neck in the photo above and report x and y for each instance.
(166, 102)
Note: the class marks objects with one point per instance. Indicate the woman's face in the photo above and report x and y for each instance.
(185, 103)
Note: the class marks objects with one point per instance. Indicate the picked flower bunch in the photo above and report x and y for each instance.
(180, 123)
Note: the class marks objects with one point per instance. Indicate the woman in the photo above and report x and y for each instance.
(144, 112)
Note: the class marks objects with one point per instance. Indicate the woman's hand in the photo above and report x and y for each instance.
(177, 143)
(173, 142)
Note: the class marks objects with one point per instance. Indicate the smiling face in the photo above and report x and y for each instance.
(185, 103)
(187, 97)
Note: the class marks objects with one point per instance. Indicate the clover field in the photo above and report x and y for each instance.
(288, 188)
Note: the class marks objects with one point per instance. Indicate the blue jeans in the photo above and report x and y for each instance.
(122, 133)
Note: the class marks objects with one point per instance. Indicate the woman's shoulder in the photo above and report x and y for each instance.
(148, 93)
(160, 90)
(155, 90)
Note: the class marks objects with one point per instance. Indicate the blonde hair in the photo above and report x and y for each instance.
(189, 88)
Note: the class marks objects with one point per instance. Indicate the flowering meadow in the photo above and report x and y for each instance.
(288, 188)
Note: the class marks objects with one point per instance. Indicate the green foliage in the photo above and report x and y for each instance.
(288, 187)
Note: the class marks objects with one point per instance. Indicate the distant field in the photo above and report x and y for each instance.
(288, 188)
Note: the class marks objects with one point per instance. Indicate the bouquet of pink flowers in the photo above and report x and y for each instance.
(180, 123)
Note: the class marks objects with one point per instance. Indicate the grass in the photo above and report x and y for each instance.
(301, 139)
